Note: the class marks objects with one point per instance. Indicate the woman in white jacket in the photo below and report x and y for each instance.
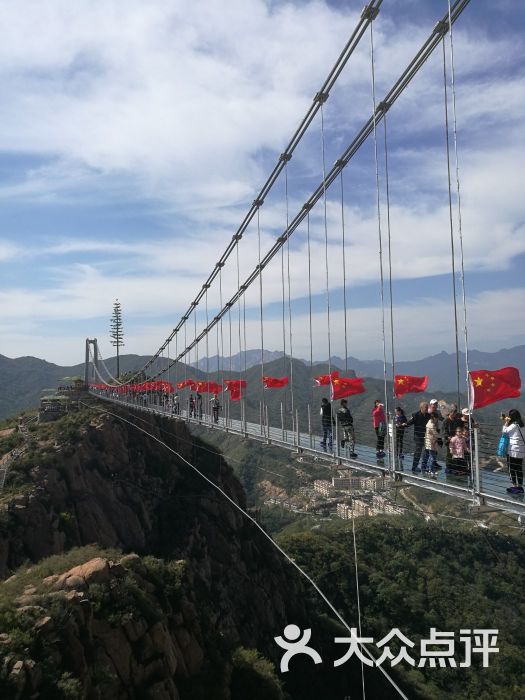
(513, 427)
(432, 444)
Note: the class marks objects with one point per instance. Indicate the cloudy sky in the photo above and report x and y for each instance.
(134, 137)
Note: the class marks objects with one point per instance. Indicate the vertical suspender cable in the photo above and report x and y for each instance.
(289, 293)
(222, 334)
(169, 363)
(344, 269)
(207, 348)
(195, 338)
(261, 310)
(451, 224)
(323, 99)
(284, 336)
(240, 343)
(460, 229)
(176, 355)
(230, 336)
(310, 292)
(311, 397)
(378, 204)
(186, 368)
(387, 184)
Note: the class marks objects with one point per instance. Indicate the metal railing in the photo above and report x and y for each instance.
(483, 479)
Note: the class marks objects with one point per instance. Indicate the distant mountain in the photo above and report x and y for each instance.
(441, 368)
(23, 379)
(239, 361)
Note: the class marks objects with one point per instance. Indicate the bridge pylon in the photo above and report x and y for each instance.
(94, 343)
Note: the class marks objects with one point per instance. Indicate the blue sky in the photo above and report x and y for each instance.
(134, 137)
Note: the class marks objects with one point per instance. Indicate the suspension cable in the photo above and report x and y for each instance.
(379, 230)
(412, 69)
(451, 225)
(261, 313)
(328, 84)
(240, 343)
(458, 202)
(462, 258)
(322, 99)
(344, 269)
(389, 235)
(289, 296)
(310, 292)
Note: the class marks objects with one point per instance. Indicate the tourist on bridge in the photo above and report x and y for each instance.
(419, 420)
(379, 423)
(346, 422)
(400, 422)
(513, 427)
(176, 404)
(450, 425)
(192, 406)
(469, 423)
(432, 443)
(215, 408)
(199, 405)
(458, 449)
(327, 420)
(433, 407)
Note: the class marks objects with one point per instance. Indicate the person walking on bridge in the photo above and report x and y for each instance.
(419, 420)
(215, 408)
(513, 427)
(346, 421)
(327, 420)
(379, 423)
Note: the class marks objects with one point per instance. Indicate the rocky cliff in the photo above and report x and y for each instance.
(179, 622)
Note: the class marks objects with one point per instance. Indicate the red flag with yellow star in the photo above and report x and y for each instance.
(405, 384)
(489, 386)
(346, 386)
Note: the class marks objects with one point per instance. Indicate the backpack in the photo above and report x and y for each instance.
(503, 445)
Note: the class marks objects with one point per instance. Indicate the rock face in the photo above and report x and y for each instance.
(102, 642)
(118, 488)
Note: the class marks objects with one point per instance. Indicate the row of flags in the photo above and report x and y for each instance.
(487, 386)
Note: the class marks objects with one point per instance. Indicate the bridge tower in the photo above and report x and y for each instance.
(94, 343)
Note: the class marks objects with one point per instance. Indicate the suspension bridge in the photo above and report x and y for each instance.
(298, 283)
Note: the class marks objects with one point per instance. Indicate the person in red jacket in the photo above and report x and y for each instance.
(379, 423)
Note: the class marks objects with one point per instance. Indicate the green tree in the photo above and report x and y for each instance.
(116, 332)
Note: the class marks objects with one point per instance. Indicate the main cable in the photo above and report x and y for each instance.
(383, 106)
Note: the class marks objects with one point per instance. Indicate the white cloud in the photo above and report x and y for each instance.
(188, 104)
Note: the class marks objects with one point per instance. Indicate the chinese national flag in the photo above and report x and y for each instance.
(235, 387)
(346, 386)
(275, 382)
(235, 393)
(235, 384)
(325, 379)
(405, 384)
(489, 386)
(185, 383)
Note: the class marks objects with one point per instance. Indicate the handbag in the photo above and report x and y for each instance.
(503, 445)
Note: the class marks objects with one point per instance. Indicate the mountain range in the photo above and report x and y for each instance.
(23, 379)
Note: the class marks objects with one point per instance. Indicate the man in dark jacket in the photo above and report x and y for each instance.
(326, 423)
(346, 422)
(419, 420)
